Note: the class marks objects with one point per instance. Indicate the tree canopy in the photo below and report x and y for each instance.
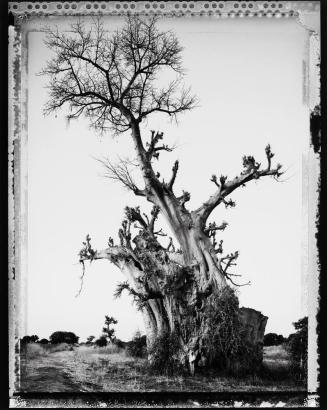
(63, 337)
(111, 77)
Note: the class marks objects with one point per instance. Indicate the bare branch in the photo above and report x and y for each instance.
(87, 252)
(214, 227)
(171, 247)
(228, 261)
(154, 216)
(252, 170)
(82, 279)
(237, 284)
(160, 233)
(120, 172)
(173, 178)
(230, 258)
(220, 247)
(134, 215)
(147, 224)
(153, 149)
(185, 197)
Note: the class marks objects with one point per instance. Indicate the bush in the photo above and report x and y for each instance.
(44, 341)
(164, 355)
(101, 342)
(29, 339)
(272, 339)
(297, 345)
(63, 337)
(119, 343)
(137, 346)
(224, 345)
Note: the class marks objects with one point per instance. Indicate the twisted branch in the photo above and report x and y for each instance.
(228, 261)
(251, 171)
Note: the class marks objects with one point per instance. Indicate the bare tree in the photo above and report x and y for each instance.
(112, 80)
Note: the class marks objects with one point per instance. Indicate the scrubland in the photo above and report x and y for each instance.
(64, 368)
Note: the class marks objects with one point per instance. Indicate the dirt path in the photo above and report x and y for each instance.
(49, 374)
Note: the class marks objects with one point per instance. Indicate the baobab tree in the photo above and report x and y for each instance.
(182, 291)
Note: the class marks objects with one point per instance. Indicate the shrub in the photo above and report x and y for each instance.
(164, 354)
(44, 341)
(119, 343)
(63, 337)
(224, 345)
(101, 342)
(297, 345)
(137, 346)
(29, 339)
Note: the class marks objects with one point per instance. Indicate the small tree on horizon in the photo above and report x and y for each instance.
(90, 339)
(109, 333)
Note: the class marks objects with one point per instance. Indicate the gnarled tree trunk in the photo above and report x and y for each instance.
(178, 292)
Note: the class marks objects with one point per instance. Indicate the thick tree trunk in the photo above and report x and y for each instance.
(187, 297)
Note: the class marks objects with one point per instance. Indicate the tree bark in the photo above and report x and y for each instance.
(175, 292)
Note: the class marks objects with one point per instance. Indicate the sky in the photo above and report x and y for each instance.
(247, 75)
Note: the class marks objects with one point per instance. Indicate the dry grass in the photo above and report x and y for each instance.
(276, 361)
(56, 369)
(275, 352)
(33, 350)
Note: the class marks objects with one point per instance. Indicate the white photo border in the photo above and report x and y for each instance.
(307, 14)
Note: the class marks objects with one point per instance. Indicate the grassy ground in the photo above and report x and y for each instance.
(86, 369)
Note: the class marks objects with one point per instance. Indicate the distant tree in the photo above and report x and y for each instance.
(44, 341)
(26, 339)
(102, 341)
(272, 339)
(298, 347)
(63, 337)
(29, 339)
(109, 333)
(89, 340)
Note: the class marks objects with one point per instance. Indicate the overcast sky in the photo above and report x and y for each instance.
(247, 75)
